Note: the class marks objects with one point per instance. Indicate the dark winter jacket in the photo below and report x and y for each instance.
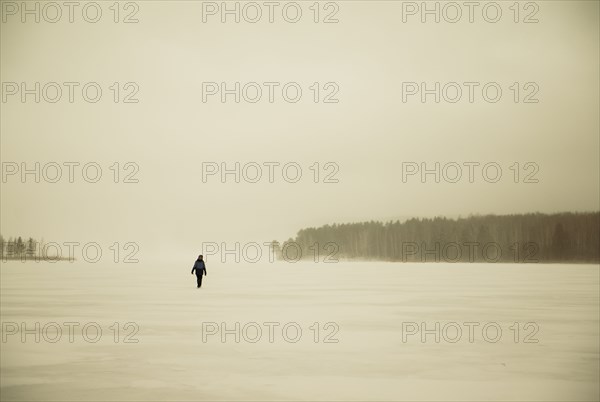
(199, 267)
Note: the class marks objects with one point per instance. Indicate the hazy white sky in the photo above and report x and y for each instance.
(170, 52)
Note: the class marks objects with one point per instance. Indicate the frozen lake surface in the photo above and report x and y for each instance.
(551, 353)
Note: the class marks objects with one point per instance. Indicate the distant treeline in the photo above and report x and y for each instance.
(19, 248)
(562, 237)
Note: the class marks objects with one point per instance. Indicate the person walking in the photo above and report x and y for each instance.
(200, 269)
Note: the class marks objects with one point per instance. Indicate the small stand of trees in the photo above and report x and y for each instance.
(19, 248)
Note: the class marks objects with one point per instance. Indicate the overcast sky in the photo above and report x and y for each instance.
(368, 134)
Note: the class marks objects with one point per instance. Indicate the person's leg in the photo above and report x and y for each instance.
(199, 277)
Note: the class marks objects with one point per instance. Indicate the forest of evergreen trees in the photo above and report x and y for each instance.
(529, 238)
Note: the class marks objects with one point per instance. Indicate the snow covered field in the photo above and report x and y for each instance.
(373, 310)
